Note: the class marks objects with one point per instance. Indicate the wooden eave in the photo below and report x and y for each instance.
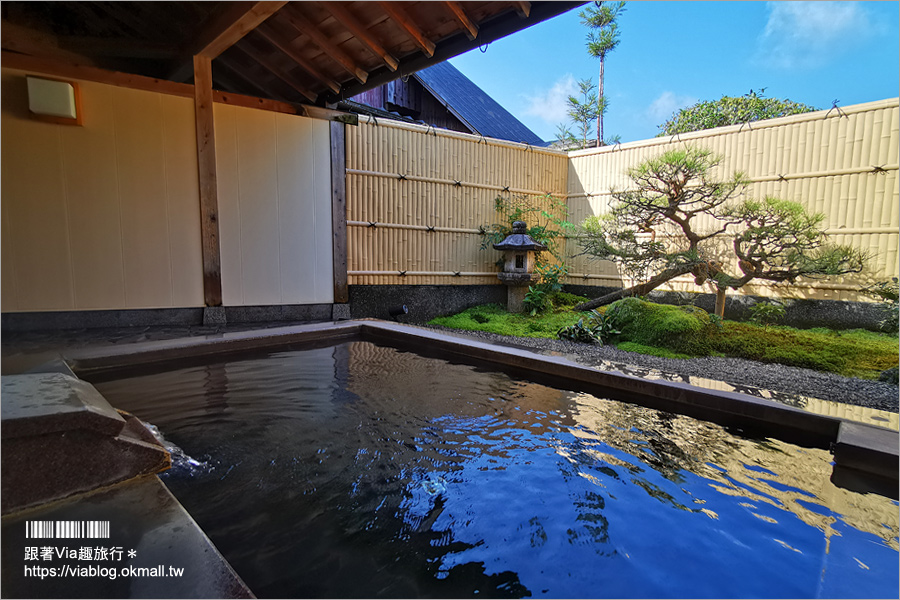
(296, 52)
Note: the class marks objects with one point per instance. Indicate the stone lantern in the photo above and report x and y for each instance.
(518, 270)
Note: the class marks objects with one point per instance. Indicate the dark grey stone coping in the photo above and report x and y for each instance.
(44, 403)
(143, 516)
(867, 450)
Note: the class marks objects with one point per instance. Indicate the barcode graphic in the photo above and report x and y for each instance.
(66, 529)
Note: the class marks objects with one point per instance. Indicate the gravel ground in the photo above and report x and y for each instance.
(791, 381)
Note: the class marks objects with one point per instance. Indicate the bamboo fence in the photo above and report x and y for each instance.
(840, 162)
(417, 197)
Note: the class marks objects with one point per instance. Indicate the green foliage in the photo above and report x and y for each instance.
(603, 37)
(677, 219)
(579, 332)
(729, 110)
(682, 329)
(551, 275)
(887, 292)
(493, 318)
(682, 332)
(600, 328)
(536, 300)
(849, 355)
(767, 313)
(583, 112)
(545, 217)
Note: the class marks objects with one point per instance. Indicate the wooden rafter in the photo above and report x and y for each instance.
(270, 36)
(225, 63)
(304, 26)
(124, 20)
(406, 23)
(523, 8)
(463, 19)
(363, 35)
(37, 43)
(232, 25)
(96, 46)
(267, 63)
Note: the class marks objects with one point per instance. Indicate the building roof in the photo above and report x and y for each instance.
(295, 52)
(471, 105)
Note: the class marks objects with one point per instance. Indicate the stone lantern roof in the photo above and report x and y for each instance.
(519, 241)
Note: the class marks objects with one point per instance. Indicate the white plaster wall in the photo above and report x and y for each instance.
(274, 183)
(103, 216)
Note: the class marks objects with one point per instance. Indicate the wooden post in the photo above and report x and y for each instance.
(206, 164)
(339, 212)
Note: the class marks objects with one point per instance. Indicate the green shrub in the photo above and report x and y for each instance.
(767, 313)
(600, 328)
(682, 329)
(536, 300)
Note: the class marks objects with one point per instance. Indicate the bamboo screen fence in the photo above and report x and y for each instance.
(416, 197)
(842, 163)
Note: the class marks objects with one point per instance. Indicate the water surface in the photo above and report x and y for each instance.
(364, 471)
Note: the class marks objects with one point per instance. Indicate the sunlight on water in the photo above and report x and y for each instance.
(363, 471)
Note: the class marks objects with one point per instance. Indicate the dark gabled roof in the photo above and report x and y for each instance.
(471, 105)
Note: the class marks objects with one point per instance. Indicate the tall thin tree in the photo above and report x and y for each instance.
(602, 39)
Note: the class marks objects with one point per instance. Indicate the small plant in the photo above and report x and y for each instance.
(600, 328)
(536, 300)
(579, 332)
(716, 320)
(887, 292)
(767, 313)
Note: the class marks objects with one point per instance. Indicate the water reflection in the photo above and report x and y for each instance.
(365, 471)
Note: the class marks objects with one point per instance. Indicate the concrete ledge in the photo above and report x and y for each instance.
(115, 360)
(143, 516)
(869, 449)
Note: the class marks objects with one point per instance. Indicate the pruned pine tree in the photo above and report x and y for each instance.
(680, 220)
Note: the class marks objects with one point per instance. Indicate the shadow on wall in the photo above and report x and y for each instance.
(424, 302)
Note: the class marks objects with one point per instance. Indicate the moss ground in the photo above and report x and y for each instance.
(685, 332)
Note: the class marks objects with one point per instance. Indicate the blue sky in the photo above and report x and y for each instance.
(673, 54)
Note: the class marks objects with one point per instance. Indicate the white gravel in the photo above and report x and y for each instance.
(788, 383)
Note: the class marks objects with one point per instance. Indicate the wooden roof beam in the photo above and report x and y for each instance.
(96, 46)
(223, 31)
(523, 9)
(274, 69)
(230, 26)
(33, 42)
(230, 68)
(304, 26)
(463, 19)
(265, 32)
(363, 35)
(404, 21)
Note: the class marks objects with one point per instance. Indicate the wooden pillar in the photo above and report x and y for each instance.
(339, 211)
(206, 164)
